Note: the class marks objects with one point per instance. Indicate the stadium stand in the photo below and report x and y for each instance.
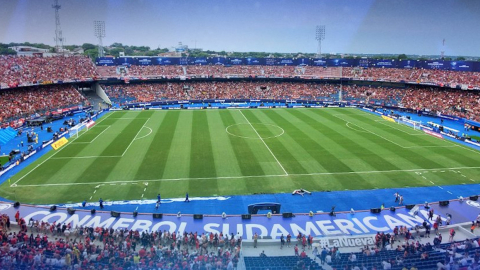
(408, 255)
(117, 249)
(147, 92)
(40, 245)
(7, 134)
(40, 100)
(436, 77)
(17, 71)
(280, 263)
(450, 102)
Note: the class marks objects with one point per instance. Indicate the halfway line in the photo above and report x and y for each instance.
(264, 143)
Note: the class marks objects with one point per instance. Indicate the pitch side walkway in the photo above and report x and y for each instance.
(318, 201)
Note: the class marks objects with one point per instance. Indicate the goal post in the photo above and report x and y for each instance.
(85, 126)
(74, 131)
(414, 124)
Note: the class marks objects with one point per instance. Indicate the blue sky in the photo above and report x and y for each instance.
(352, 26)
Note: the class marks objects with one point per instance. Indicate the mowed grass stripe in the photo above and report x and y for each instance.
(266, 160)
(153, 163)
(361, 156)
(293, 139)
(300, 147)
(101, 168)
(178, 161)
(284, 156)
(90, 134)
(72, 150)
(226, 162)
(405, 153)
(443, 156)
(245, 158)
(127, 168)
(356, 144)
(55, 170)
(202, 163)
(322, 153)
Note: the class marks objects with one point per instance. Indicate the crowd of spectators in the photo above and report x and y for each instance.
(430, 76)
(453, 102)
(20, 70)
(23, 102)
(458, 103)
(426, 76)
(406, 251)
(148, 92)
(40, 245)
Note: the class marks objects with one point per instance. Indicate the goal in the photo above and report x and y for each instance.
(75, 131)
(414, 124)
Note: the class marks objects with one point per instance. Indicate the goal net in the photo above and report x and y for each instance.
(414, 124)
(76, 130)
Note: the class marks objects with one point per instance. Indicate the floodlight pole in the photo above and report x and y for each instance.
(99, 33)
(58, 28)
(319, 36)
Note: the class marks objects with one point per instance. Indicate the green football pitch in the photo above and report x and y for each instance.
(136, 154)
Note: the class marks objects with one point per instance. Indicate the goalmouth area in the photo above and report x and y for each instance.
(133, 155)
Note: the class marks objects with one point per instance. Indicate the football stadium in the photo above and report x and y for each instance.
(130, 157)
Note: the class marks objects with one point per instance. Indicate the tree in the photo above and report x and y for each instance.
(460, 58)
(402, 56)
(88, 46)
(92, 53)
(117, 45)
(7, 51)
(116, 51)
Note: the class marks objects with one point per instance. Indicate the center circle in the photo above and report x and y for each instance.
(236, 130)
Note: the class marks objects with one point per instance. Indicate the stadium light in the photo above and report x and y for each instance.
(99, 27)
(319, 36)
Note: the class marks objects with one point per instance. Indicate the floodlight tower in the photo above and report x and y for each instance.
(99, 33)
(58, 28)
(443, 50)
(319, 36)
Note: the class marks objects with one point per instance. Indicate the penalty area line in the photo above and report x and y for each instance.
(41, 163)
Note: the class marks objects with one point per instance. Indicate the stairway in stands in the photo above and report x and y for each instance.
(95, 100)
(7, 134)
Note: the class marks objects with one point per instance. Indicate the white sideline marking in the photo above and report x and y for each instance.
(135, 137)
(85, 157)
(130, 118)
(264, 142)
(65, 146)
(449, 192)
(133, 182)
